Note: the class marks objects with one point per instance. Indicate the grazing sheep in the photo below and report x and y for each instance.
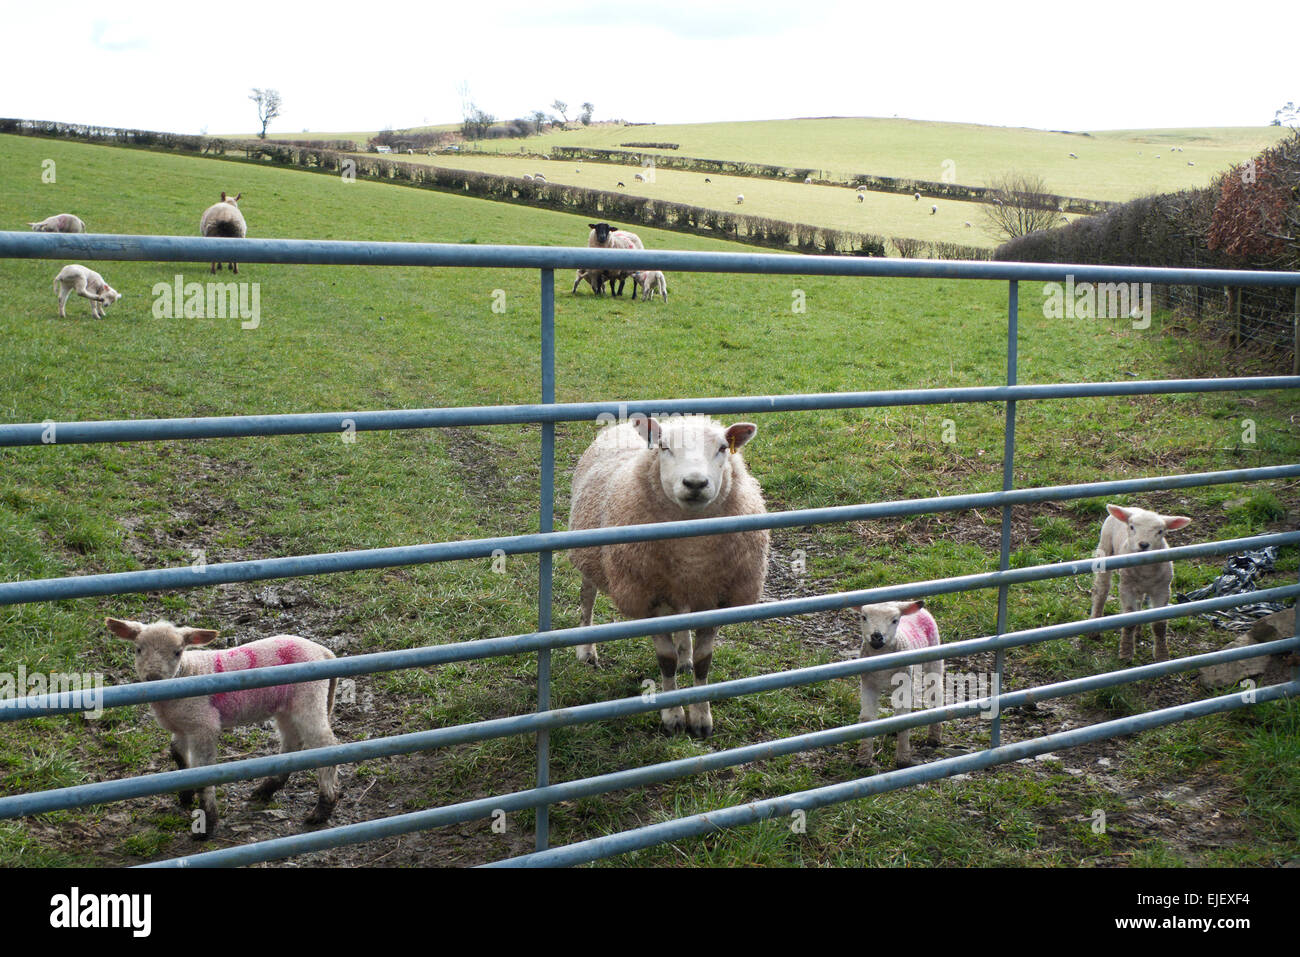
(1074, 156)
(740, 198)
(707, 180)
(621, 183)
(650, 281)
(1129, 531)
(61, 223)
(966, 224)
(224, 219)
(862, 198)
(301, 711)
(862, 189)
(917, 197)
(639, 177)
(807, 180)
(933, 210)
(85, 283)
(887, 628)
(1190, 163)
(605, 236)
(642, 472)
(1157, 156)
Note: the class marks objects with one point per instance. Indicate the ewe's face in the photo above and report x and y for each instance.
(695, 459)
(602, 232)
(158, 647)
(1146, 530)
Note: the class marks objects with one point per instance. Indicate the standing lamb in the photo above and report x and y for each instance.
(644, 471)
(593, 278)
(605, 236)
(85, 283)
(301, 711)
(1128, 531)
(61, 223)
(887, 628)
(224, 219)
(650, 281)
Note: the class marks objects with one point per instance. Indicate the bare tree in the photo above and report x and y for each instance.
(539, 120)
(1289, 115)
(1019, 204)
(268, 107)
(562, 109)
(587, 110)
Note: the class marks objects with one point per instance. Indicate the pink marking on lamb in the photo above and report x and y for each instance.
(232, 705)
(917, 630)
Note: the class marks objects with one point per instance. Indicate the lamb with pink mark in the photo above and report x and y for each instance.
(301, 711)
(887, 628)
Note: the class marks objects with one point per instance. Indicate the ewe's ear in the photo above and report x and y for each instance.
(1120, 513)
(129, 630)
(648, 428)
(740, 433)
(239, 197)
(223, 195)
(197, 636)
(1175, 521)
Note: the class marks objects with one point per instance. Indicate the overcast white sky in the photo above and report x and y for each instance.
(356, 66)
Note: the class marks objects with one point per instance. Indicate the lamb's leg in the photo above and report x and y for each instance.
(234, 267)
(215, 267)
(64, 293)
(1100, 588)
(1130, 600)
(674, 719)
(1159, 599)
(903, 746)
(178, 749)
(315, 733)
(290, 741)
(869, 710)
(933, 671)
(203, 751)
(587, 654)
(699, 716)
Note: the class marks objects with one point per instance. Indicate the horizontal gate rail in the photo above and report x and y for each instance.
(541, 721)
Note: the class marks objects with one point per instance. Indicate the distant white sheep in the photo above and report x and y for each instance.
(528, 177)
(933, 210)
(807, 180)
(888, 628)
(967, 224)
(301, 711)
(224, 219)
(85, 283)
(61, 223)
(639, 177)
(1074, 156)
(861, 198)
(538, 177)
(740, 198)
(917, 197)
(643, 472)
(1131, 531)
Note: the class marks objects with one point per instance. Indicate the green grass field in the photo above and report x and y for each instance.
(341, 338)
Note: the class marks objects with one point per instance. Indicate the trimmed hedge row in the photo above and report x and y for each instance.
(880, 184)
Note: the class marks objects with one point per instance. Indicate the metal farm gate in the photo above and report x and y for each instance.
(547, 412)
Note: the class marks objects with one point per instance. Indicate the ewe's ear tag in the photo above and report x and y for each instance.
(731, 444)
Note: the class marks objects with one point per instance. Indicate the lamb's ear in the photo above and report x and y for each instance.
(1175, 521)
(1120, 513)
(223, 195)
(740, 433)
(910, 607)
(197, 636)
(648, 428)
(129, 630)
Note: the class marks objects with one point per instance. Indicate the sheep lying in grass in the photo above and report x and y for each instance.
(642, 472)
(887, 628)
(60, 223)
(224, 219)
(301, 711)
(605, 236)
(1129, 531)
(85, 283)
(650, 281)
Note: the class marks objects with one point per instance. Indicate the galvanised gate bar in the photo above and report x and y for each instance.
(547, 541)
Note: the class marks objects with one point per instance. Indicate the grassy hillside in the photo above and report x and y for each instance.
(1108, 166)
(335, 338)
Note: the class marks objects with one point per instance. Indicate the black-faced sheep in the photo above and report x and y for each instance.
(605, 236)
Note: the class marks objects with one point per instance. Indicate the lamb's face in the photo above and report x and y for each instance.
(694, 458)
(1146, 530)
(879, 624)
(159, 647)
(109, 295)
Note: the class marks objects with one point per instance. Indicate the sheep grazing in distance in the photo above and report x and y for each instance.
(740, 198)
(888, 628)
(639, 177)
(605, 236)
(862, 189)
(60, 223)
(807, 180)
(861, 198)
(224, 219)
(1074, 156)
(917, 197)
(1190, 163)
(85, 283)
(1129, 531)
(707, 180)
(933, 210)
(621, 183)
(301, 711)
(644, 471)
(967, 224)
(650, 281)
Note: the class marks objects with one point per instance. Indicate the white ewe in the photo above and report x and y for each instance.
(224, 219)
(642, 472)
